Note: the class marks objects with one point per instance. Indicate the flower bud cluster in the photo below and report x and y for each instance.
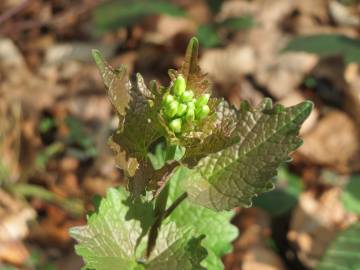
(181, 107)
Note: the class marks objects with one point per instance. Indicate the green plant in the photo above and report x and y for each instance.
(114, 14)
(327, 45)
(183, 181)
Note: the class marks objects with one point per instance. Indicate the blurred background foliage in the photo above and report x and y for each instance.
(55, 117)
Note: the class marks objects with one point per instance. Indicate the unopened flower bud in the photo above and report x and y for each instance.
(181, 109)
(187, 96)
(167, 99)
(202, 100)
(179, 86)
(190, 115)
(171, 109)
(175, 125)
(191, 105)
(202, 112)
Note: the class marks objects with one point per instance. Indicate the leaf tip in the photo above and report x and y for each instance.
(193, 48)
(99, 60)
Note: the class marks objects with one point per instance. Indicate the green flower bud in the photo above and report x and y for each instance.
(175, 125)
(202, 112)
(187, 96)
(179, 86)
(181, 109)
(191, 105)
(203, 100)
(171, 109)
(190, 115)
(167, 99)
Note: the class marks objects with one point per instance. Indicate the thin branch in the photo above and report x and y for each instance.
(175, 204)
(154, 230)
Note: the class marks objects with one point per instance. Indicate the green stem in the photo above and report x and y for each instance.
(154, 230)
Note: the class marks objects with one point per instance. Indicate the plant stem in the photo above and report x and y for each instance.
(175, 204)
(154, 230)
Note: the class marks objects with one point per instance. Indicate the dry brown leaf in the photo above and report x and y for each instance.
(333, 142)
(315, 223)
(262, 258)
(13, 252)
(228, 65)
(284, 73)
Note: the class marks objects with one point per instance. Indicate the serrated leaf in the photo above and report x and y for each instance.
(195, 79)
(177, 249)
(216, 226)
(343, 253)
(139, 126)
(110, 239)
(351, 195)
(284, 197)
(217, 134)
(233, 176)
(117, 83)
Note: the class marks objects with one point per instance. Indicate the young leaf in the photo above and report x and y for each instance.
(351, 195)
(343, 253)
(217, 133)
(233, 176)
(195, 79)
(176, 249)
(110, 239)
(216, 226)
(117, 83)
(139, 126)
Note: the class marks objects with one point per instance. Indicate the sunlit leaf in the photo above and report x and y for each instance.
(216, 226)
(110, 239)
(233, 176)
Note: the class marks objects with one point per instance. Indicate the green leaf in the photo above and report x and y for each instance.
(327, 45)
(195, 79)
(117, 83)
(218, 132)
(238, 23)
(351, 195)
(285, 195)
(113, 238)
(139, 126)
(233, 176)
(343, 253)
(164, 153)
(214, 5)
(216, 226)
(109, 239)
(115, 14)
(176, 249)
(208, 36)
